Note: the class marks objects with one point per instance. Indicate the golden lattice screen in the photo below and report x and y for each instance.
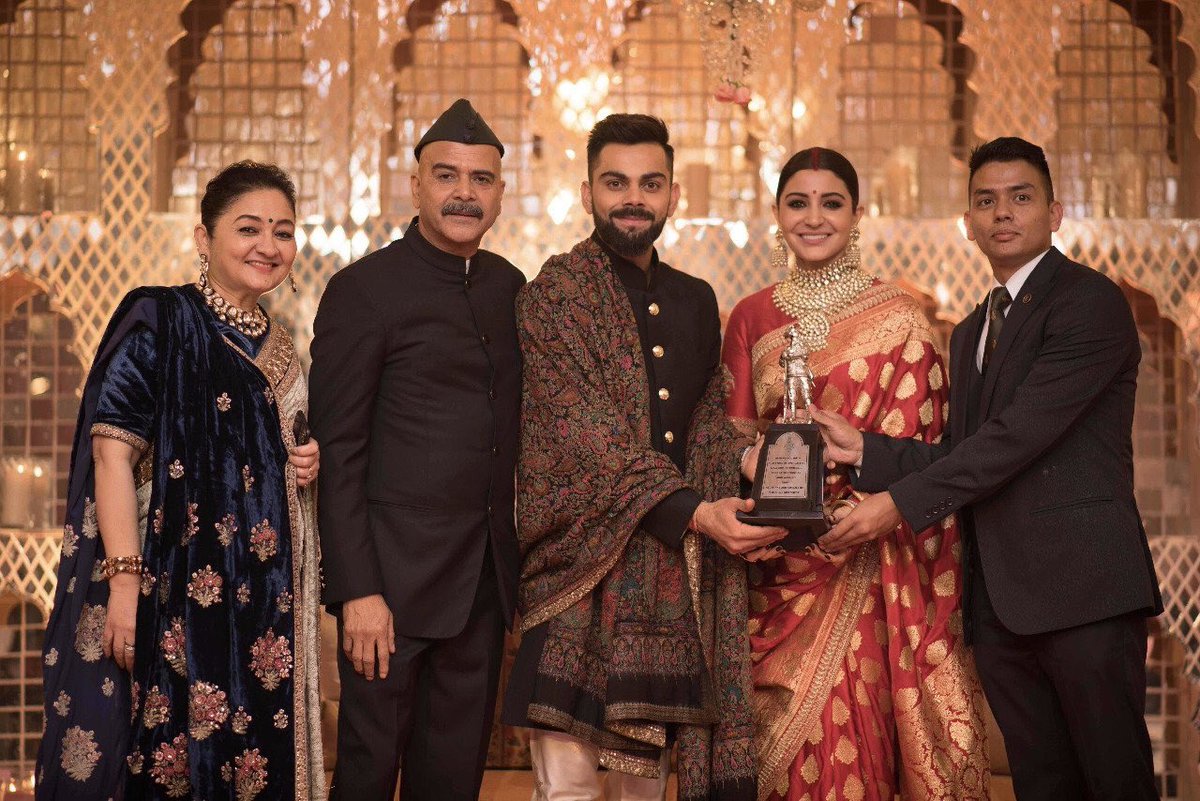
(47, 154)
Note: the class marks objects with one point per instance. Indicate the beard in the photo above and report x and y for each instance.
(629, 244)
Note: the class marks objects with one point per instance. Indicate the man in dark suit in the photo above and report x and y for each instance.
(416, 391)
(1039, 463)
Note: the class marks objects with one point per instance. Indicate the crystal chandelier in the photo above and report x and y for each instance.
(571, 46)
(733, 33)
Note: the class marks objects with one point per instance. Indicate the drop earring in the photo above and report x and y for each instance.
(779, 254)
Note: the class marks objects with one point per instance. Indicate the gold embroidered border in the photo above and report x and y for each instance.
(143, 471)
(278, 362)
(618, 760)
(672, 714)
(653, 734)
(777, 750)
(942, 737)
(120, 435)
(556, 606)
(561, 721)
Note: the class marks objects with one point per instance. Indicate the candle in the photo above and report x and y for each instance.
(21, 187)
(40, 505)
(45, 190)
(18, 491)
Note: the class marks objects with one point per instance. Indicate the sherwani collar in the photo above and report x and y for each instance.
(447, 262)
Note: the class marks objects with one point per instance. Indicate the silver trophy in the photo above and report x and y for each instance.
(789, 485)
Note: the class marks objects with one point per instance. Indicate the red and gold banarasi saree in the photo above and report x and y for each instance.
(860, 674)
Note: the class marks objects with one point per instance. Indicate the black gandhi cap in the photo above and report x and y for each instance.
(459, 123)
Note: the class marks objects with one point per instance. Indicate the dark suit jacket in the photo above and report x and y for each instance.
(415, 398)
(1048, 475)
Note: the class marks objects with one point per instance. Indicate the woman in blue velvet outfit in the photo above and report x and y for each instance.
(181, 655)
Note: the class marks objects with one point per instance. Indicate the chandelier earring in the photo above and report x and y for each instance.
(779, 254)
(204, 264)
(292, 279)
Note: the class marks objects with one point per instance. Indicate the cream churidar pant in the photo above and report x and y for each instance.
(565, 769)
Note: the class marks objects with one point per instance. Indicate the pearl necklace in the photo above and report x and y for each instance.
(813, 296)
(252, 324)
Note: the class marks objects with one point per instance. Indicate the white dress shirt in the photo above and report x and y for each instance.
(1013, 285)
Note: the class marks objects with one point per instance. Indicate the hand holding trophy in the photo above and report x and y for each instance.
(789, 483)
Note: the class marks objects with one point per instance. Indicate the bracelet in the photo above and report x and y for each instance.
(840, 503)
(112, 565)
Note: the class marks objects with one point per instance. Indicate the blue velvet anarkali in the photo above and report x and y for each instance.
(222, 701)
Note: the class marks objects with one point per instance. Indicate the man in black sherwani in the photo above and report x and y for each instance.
(416, 390)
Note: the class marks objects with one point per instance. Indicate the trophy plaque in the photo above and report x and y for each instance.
(789, 485)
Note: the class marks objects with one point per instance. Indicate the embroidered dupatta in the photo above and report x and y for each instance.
(222, 701)
(641, 636)
(857, 656)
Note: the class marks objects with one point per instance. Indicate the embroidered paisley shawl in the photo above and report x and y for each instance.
(640, 637)
(222, 701)
(855, 657)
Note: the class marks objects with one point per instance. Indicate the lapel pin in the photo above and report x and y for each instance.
(1026, 298)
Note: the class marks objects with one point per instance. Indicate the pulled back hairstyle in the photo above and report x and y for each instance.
(1011, 148)
(628, 129)
(820, 158)
(236, 180)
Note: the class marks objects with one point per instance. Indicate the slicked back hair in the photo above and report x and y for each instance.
(629, 129)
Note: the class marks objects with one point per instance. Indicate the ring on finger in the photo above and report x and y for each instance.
(128, 647)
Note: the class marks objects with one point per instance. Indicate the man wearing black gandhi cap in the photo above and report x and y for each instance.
(416, 379)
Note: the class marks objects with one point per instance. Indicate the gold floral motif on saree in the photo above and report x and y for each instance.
(950, 762)
(788, 703)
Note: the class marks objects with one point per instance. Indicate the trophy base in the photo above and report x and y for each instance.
(804, 527)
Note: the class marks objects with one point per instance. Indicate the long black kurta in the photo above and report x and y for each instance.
(415, 396)
(680, 332)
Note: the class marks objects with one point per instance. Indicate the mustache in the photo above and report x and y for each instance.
(633, 213)
(457, 207)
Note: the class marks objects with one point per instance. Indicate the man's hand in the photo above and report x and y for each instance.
(717, 520)
(843, 442)
(368, 637)
(874, 515)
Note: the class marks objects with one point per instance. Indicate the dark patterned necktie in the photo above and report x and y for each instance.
(1001, 300)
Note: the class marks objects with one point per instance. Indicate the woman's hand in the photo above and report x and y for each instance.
(306, 459)
(120, 623)
(750, 459)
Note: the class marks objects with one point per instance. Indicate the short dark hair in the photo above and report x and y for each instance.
(236, 180)
(820, 158)
(628, 129)
(1011, 148)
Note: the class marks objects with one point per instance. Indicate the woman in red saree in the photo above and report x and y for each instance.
(862, 685)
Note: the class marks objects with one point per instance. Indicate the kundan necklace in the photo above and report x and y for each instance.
(812, 297)
(252, 324)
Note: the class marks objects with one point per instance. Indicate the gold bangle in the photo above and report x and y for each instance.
(112, 565)
(840, 503)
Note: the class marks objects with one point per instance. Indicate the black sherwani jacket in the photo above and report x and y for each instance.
(415, 396)
(1047, 476)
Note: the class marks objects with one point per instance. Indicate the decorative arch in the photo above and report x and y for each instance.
(461, 48)
(905, 106)
(1114, 154)
(240, 94)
